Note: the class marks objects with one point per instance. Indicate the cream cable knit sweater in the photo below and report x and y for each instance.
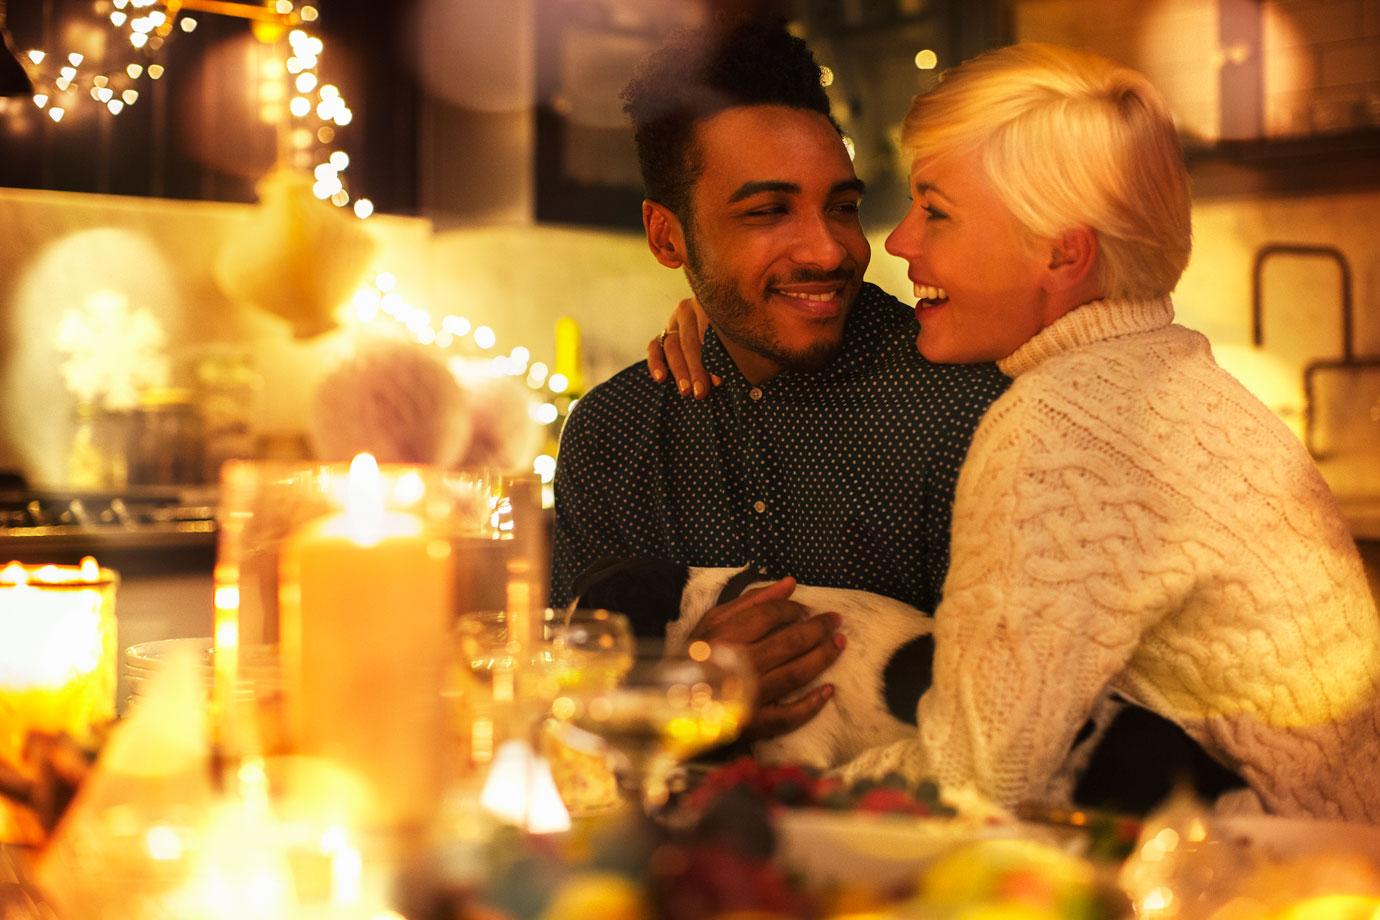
(1130, 518)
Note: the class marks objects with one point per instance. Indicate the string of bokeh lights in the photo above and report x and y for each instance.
(292, 87)
(317, 109)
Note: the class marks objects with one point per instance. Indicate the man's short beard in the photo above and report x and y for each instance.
(733, 318)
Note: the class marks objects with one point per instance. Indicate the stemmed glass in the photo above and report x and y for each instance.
(663, 709)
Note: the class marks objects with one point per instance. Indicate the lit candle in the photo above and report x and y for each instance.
(365, 606)
(57, 652)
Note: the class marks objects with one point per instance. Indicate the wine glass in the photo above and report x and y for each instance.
(663, 709)
(590, 647)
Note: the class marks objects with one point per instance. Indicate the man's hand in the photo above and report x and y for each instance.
(788, 648)
(676, 351)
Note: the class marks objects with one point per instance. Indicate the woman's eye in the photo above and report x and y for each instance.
(933, 213)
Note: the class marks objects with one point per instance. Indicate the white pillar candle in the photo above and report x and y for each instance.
(365, 605)
(57, 652)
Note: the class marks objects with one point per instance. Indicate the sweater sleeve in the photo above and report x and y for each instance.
(1044, 604)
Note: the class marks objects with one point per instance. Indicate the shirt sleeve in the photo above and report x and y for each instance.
(1046, 600)
(586, 528)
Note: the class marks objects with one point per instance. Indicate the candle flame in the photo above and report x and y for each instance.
(89, 569)
(521, 791)
(364, 501)
(15, 574)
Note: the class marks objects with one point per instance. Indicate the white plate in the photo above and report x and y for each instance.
(1284, 839)
(876, 850)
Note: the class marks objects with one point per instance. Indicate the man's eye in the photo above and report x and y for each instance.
(767, 211)
(848, 207)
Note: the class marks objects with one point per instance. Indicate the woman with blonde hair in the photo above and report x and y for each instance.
(1133, 531)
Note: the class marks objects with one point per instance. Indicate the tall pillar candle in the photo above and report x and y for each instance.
(366, 602)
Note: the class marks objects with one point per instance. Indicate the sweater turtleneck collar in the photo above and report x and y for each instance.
(1094, 321)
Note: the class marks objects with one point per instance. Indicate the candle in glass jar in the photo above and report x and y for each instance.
(365, 604)
(57, 652)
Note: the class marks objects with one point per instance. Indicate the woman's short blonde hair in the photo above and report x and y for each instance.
(1069, 138)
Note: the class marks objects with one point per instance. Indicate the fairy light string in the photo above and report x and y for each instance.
(291, 93)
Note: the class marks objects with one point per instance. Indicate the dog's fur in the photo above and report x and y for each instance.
(877, 679)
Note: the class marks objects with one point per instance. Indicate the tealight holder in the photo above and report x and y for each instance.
(57, 659)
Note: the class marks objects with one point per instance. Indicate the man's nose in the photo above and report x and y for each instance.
(818, 244)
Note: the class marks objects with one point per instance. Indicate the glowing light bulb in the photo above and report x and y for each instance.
(188, 24)
(40, 99)
(329, 91)
(558, 383)
(308, 13)
(116, 106)
(56, 113)
(344, 117)
(283, 7)
(340, 198)
(299, 106)
(386, 281)
(306, 82)
(75, 59)
(484, 337)
(155, 71)
(363, 208)
(129, 96)
(340, 159)
(118, 18)
(36, 56)
(926, 60)
(138, 39)
(826, 77)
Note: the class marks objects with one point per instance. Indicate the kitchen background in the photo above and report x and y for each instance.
(488, 144)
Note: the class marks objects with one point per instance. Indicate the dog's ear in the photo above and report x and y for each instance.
(907, 677)
(645, 590)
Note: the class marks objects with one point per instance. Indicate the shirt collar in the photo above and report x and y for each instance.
(863, 335)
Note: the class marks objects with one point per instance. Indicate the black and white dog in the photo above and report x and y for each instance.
(878, 679)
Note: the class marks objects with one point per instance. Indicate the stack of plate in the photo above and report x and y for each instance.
(259, 671)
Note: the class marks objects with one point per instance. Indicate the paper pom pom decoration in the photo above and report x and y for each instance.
(297, 257)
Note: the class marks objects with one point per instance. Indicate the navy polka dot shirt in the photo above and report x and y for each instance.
(842, 477)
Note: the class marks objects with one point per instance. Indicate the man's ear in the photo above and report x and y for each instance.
(1072, 260)
(665, 238)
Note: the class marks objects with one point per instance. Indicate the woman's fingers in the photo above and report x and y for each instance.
(676, 352)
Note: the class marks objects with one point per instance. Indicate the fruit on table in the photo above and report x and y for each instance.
(1010, 879)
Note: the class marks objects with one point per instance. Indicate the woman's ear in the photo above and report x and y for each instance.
(1072, 260)
(665, 238)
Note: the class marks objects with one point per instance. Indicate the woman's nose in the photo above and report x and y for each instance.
(903, 242)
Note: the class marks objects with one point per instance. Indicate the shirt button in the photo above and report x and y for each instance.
(759, 506)
(755, 393)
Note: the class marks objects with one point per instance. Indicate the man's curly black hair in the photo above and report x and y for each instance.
(705, 71)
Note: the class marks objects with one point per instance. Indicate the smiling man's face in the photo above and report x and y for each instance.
(776, 251)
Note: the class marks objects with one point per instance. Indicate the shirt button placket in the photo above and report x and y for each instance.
(758, 491)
